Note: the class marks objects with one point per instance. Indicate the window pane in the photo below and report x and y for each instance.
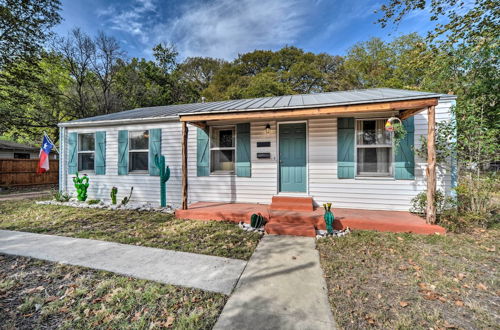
(86, 142)
(374, 161)
(372, 132)
(139, 140)
(222, 160)
(138, 161)
(223, 138)
(86, 161)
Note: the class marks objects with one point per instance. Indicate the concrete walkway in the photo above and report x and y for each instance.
(25, 195)
(171, 267)
(282, 287)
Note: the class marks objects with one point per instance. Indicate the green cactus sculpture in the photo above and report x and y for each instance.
(164, 176)
(257, 220)
(81, 185)
(329, 217)
(114, 192)
(126, 199)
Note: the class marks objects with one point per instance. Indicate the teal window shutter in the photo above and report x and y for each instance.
(154, 150)
(100, 152)
(345, 148)
(202, 153)
(404, 166)
(243, 156)
(122, 152)
(72, 154)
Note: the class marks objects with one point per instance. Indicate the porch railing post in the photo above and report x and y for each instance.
(431, 165)
(184, 166)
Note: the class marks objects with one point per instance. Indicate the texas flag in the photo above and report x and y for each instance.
(43, 164)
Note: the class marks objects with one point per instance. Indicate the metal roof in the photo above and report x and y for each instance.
(10, 145)
(361, 96)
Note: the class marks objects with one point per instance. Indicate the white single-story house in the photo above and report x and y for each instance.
(329, 146)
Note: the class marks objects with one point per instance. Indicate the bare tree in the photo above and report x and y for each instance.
(104, 64)
(78, 50)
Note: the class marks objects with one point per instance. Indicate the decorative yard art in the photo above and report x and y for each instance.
(329, 217)
(81, 185)
(164, 176)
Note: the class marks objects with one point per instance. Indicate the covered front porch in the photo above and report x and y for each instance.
(305, 223)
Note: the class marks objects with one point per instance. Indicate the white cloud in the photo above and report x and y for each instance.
(224, 28)
(131, 19)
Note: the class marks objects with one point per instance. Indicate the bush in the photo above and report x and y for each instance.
(93, 201)
(442, 203)
(476, 204)
(61, 196)
(476, 194)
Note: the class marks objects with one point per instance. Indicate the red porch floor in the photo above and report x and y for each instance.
(305, 223)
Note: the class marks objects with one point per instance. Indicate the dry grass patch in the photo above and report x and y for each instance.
(402, 281)
(151, 229)
(39, 294)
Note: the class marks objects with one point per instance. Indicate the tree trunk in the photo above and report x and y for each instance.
(431, 165)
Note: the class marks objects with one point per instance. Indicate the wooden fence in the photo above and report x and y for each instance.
(22, 172)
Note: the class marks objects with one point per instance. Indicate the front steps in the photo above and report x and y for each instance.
(286, 203)
(291, 216)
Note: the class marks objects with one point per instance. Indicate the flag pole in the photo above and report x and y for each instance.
(48, 138)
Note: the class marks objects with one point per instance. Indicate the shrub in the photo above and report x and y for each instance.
(476, 194)
(61, 196)
(93, 201)
(442, 203)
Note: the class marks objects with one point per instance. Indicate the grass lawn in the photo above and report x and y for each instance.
(151, 229)
(409, 281)
(40, 294)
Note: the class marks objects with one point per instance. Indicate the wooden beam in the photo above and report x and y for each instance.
(311, 112)
(405, 114)
(200, 124)
(184, 157)
(431, 165)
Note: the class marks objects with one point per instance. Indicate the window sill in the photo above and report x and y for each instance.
(222, 173)
(138, 172)
(375, 178)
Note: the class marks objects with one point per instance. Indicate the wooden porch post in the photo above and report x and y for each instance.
(431, 165)
(184, 166)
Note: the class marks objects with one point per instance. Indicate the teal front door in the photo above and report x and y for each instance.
(292, 153)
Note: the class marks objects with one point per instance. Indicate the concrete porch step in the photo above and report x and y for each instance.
(288, 203)
(277, 228)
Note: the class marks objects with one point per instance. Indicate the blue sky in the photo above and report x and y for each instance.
(224, 28)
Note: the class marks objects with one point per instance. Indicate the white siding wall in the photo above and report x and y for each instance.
(376, 193)
(323, 184)
(146, 187)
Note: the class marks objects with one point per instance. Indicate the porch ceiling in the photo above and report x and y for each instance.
(405, 108)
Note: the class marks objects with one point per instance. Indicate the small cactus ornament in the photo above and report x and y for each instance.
(81, 185)
(114, 192)
(329, 217)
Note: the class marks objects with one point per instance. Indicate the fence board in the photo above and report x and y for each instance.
(22, 172)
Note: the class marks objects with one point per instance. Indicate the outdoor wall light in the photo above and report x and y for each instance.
(268, 128)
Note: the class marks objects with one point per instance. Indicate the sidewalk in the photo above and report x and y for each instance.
(282, 287)
(171, 267)
(25, 195)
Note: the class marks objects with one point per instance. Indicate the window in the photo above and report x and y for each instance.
(138, 150)
(86, 147)
(373, 148)
(21, 155)
(222, 149)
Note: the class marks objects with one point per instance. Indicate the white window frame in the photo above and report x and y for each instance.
(130, 150)
(359, 146)
(212, 129)
(84, 152)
